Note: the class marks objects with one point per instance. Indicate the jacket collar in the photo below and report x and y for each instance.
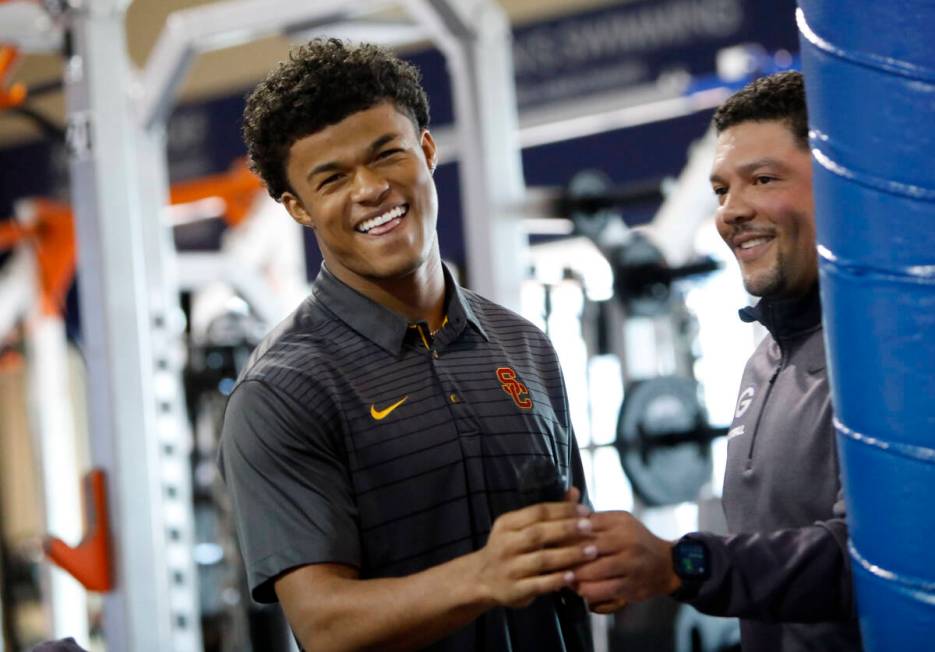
(381, 325)
(786, 318)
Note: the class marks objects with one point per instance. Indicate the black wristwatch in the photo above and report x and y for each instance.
(692, 563)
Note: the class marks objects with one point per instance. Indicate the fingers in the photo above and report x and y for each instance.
(603, 567)
(522, 518)
(573, 495)
(533, 550)
(532, 587)
(516, 582)
(602, 591)
(547, 534)
(608, 607)
(607, 521)
(553, 559)
(632, 564)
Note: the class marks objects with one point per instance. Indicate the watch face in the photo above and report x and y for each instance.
(691, 559)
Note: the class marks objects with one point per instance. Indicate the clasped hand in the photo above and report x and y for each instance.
(534, 551)
(632, 564)
(609, 558)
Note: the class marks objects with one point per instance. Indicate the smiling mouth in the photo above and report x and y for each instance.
(383, 222)
(754, 242)
(752, 248)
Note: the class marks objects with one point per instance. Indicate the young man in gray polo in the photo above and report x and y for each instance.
(785, 571)
(372, 444)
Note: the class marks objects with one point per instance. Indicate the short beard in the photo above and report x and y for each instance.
(769, 284)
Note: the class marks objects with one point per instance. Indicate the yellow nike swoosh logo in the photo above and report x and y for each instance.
(379, 415)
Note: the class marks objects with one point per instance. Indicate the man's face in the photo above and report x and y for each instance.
(766, 214)
(364, 185)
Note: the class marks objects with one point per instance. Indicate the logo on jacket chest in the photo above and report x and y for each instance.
(512, 386)
(743, 403)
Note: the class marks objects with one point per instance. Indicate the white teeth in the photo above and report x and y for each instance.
(380, 220)
(753, 243)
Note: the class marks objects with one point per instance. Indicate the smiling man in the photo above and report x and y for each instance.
(372, 444)
(784, 570)
(762, 178)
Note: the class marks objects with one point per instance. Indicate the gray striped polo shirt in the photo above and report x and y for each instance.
(354, 437)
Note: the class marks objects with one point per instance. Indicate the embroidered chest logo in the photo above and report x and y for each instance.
(379, 415)
(746, 397)
(514, 388)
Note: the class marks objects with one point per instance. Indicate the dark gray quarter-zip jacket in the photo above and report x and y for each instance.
(784, 570)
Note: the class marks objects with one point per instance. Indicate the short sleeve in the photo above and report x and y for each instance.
(577, 472)
(289, 486)
(574, 453)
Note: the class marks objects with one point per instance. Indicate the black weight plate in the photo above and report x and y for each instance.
(665, 473)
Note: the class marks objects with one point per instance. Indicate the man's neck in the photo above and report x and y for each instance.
(786, 316)
(418, 296)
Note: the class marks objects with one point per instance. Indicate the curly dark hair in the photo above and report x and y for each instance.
(323, 82)
(780, 97)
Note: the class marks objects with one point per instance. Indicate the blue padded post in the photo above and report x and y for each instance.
(870, 80)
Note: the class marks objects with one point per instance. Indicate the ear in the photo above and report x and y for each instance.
(429, 149)
(297, 210)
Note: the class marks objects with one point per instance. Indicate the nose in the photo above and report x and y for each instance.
(369, 186)
(735, 209)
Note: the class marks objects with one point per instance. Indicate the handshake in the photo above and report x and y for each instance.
(609, 558)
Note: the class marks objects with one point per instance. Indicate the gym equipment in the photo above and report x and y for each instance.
(642, 276)
(664, 440)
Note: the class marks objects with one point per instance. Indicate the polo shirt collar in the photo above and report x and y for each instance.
(458, 309)
(378, 323)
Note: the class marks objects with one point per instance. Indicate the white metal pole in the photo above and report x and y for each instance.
(172, 428)
(53, 427)
(476, 40)
(103, 142)
(191, 31)
(18, 287)
(52, 424)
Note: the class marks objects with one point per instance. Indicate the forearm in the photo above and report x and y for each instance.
(796, 575)
(529, 553)
(404, 613)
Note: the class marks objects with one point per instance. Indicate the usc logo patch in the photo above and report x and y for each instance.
(514, 388)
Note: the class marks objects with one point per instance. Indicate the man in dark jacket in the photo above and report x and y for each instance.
(784, 569)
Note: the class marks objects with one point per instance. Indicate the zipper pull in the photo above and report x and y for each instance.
(772, 378)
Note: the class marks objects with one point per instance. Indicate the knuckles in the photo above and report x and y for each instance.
(534, 536)
(600, 592)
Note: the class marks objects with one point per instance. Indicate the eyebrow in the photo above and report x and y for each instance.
(747, 168)
(336, 165)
